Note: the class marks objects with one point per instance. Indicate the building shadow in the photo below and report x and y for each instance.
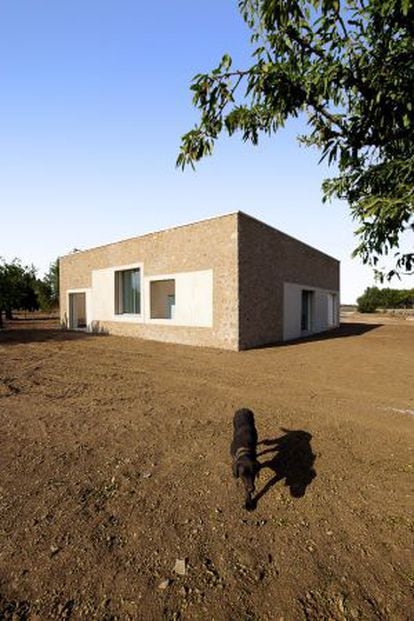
(37, 331)
(291, 459)
(26, 335)
(345, 330)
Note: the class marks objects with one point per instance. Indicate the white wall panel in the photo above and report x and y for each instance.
(103, 294)
(193, 299)
(292, 310)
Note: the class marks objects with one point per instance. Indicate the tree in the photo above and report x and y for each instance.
(349, 67)
(369, 301)
(374, 298)
(48, 288)
(52, 277)
(17, 288)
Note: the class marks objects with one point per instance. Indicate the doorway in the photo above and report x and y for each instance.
(77, 311)
(307, 311)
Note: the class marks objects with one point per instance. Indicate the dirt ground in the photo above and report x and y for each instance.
(114, 464)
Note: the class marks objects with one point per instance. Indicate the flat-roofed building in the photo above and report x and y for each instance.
(231, 282)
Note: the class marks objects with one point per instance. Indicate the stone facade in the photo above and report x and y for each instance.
(267, 260)
(207, 245)
(252, 270)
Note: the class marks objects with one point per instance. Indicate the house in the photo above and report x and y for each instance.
(230, 282)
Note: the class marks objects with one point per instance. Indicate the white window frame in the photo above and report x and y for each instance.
(158, 320)
(177, 319)
(129, 317)
(119, 292)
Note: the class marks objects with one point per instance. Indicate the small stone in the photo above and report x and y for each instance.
(180, 566)
(54, 550)
(341, 604)
(164, 584)
(329, 533)
(146, 475)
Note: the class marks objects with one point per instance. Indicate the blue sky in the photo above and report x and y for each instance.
(94, 98)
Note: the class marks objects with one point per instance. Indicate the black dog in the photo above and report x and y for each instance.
(243, 451)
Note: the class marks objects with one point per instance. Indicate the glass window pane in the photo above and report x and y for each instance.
(128, 291)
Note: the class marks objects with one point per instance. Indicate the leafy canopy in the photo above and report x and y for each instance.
(48, 288)
(349, 67)
(20, 289)
(374, 298)
(17, 287)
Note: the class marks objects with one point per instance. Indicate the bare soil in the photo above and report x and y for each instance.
(114, 463)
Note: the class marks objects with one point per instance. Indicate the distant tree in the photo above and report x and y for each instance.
(374, 298)
(48, 288)
(349, 66)
(397, 298)
(17, 288)
(368, 302)
(44, 295)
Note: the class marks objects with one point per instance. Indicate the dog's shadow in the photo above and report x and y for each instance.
(291, 459)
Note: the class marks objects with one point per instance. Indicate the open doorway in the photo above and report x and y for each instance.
(307, 311)
(77, 311)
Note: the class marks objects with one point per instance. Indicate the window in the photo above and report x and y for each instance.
(162, 299)
(128, 292)
(306, 315)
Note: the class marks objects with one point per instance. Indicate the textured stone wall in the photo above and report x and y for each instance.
(211, 244)
(267, 259)
(250, 262)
